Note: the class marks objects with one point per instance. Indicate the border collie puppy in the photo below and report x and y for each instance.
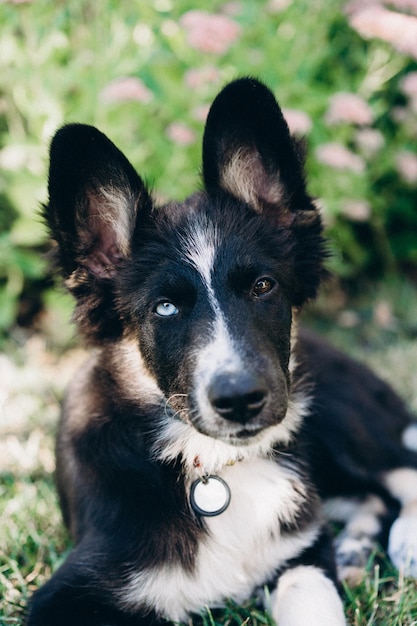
(198, 443)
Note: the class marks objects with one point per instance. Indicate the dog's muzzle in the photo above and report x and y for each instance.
(238, 397)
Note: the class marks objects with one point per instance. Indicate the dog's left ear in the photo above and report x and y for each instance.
(248, 151)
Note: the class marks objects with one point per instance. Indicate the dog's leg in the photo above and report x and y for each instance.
(80, 593)
(305, 595)
(63, 606)
(363, 521)
(402, 544)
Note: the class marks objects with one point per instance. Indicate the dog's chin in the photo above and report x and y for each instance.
(235, 435)
(243, 437)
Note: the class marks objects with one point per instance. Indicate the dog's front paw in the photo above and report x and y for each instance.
(352, 555)
(305, 595)
(402, 545)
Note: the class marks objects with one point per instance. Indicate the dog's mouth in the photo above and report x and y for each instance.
(237, 436)
(222, 422)
(232, 432)
(247, 433)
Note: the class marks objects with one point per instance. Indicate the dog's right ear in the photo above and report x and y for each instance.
(94, 198)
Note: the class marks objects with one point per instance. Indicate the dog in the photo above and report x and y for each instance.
(206, 442)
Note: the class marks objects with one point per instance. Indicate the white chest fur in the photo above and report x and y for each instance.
(242, 550)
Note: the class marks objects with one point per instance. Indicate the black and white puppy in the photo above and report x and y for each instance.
(196, 445)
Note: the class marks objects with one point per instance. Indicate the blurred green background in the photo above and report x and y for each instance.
(145, 73)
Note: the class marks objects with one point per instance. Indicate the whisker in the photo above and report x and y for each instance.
(176, 395)
(178, 412)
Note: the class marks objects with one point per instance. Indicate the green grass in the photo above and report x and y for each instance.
(33, 541)
(383, 599)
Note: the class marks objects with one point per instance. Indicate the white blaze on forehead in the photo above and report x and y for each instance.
(220, 353)
(199, 248)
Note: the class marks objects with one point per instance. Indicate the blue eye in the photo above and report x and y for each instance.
(166, 309)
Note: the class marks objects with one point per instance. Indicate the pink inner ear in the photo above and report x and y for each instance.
(103, 263)
(105, 255)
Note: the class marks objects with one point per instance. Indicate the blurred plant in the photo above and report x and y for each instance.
(145, 73)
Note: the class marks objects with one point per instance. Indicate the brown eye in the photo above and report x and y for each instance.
(263, 286)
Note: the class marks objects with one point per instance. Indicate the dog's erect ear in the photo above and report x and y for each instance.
(94, 198)
(94, 195)
(248, 152)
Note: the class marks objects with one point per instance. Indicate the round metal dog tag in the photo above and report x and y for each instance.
(210, 496)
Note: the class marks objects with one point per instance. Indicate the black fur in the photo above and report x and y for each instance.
(191, 307)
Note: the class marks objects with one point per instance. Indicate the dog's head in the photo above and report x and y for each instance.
(207, 287)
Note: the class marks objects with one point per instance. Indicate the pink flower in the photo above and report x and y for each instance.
(409, 84)
(404, 5)
(348, 319)
(337, 156)
(277, 6)
(396, 28)
(180, 134)
(356, 210)
(399, 114)
(406, 163)
(232, 8)
(384, 315)
(125, 89)
(370, 141)
(209, 32)
(298, 122)
(200, 113)
(196, 78)
(350, 108)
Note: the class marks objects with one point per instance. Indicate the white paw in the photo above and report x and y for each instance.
(402, 545)
(306, 596)
(353, 551)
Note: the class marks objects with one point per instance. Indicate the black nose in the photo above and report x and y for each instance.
(238, 397)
